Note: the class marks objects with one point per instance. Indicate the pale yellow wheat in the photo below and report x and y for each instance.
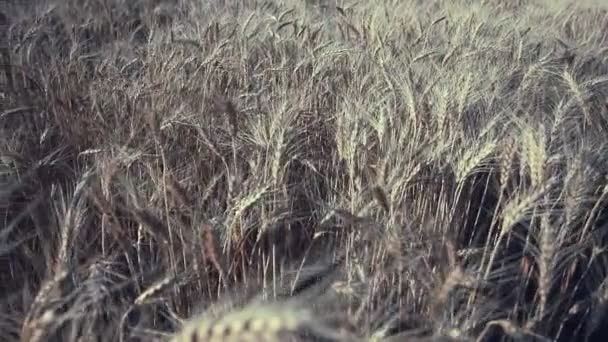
(262, 322)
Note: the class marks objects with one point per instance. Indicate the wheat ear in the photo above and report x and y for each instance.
(260, 322)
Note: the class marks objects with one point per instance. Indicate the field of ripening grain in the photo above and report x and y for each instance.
(288, 170)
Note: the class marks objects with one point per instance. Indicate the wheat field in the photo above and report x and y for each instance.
(319, 170)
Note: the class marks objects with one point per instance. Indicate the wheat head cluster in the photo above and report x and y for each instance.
(319, 170)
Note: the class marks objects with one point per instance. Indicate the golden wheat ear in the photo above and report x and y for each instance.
(256, 322)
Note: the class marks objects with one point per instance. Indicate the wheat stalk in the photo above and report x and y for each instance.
(514, 211)
(39, 316)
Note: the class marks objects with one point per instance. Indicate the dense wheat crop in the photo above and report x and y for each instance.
(338, 170)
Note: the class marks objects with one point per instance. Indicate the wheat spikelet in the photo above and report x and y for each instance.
(451, 282)
(258, 322)
(472, 158)
(381, 198)
(576, 187)
(546, 262)
(580, 95)
(506, 162)
(208, 191)
(456, 278)
(37, 330)
(513, 212)
(516, 209)
(464, 88)
(243, 204)
(559, 118)
(533, 146)
(154, 290)
(39, 318)
(73, 218)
